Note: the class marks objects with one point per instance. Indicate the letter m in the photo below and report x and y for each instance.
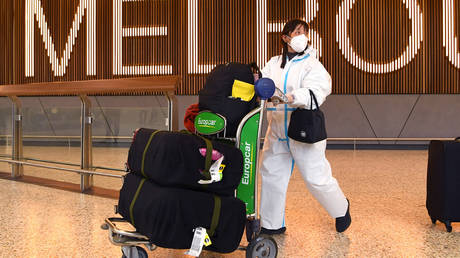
(34, 12)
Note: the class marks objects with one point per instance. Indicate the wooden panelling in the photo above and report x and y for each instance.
(6, 43)
(368, 47)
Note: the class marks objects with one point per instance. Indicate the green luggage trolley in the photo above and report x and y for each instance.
(248, 141)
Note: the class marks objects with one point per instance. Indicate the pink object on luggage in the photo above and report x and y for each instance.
(215, 154)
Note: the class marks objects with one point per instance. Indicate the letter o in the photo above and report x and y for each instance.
(415, 40)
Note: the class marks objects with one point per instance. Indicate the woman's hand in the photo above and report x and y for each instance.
(290, 98)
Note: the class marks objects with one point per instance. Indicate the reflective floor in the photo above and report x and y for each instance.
(386, 191)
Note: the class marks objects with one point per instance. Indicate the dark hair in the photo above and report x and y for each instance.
(289, 27)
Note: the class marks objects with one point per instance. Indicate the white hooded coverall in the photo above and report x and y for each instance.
(301, 74)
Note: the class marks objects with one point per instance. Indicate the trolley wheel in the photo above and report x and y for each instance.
(252, 229)
(448, 226)
(262, 247)
(151, 246)
(133, 252)
(105, 226)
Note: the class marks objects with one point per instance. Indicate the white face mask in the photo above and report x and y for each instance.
(299, 43)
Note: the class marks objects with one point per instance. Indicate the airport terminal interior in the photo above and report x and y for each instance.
(79, 77)
(46, 215)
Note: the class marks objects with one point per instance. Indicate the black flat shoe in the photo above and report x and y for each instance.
(272, 231)
(342, 223)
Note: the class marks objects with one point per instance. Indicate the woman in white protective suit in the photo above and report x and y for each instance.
(295, 72)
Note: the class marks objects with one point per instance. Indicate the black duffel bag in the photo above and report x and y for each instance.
(168, 216)
(173, 159)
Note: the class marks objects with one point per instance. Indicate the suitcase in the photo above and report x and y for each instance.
(443, 182)
(168, 216)
(173, 159)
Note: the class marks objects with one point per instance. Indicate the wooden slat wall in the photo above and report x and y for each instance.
(227, 30)
(6, 43)
(442, 76)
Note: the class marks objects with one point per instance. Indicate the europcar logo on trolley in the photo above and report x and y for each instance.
(247, 170)
(209, 123)
(248, 146)
(205, 122)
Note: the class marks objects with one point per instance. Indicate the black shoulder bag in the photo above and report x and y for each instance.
(308, 125)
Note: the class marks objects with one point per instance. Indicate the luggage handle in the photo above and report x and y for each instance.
(208, 158)
(457, 139)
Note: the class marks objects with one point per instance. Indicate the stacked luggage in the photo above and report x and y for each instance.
(170, 190)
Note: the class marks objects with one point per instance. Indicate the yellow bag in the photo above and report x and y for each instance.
(243, 90)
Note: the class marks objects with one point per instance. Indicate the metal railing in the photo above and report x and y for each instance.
(81, 171)
(127, 86)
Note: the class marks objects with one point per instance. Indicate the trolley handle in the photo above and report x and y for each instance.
(278, 97)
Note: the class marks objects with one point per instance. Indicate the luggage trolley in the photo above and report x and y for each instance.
(248, 141)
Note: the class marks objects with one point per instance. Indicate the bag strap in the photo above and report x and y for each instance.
(313, 98)
(131, 206)
(215, 215)
(145, 151)
(208, 157)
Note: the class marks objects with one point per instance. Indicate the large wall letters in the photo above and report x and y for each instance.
(369, 47)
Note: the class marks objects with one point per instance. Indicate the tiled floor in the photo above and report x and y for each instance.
(386, 191)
